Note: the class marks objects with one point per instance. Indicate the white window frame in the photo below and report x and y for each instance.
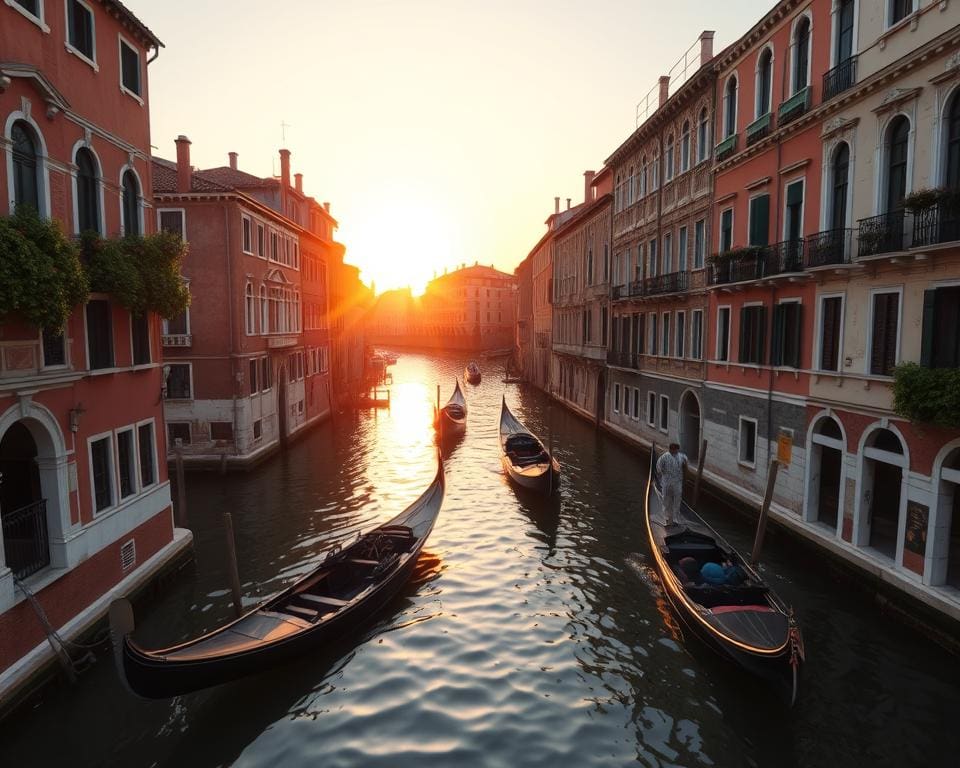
(834, 21)
(685, 162)
(664, 414)
(246, 229)
(740, 460)
(869, 349)
(666, 254)
(666, 334)
(652, 409)
(694, 314)
(802, 181)
(250, 303)
(193, 392)
(635, 414)
(153, 453)
(140, 199)
(122, 41)
(757, 114)
(793, 51)
(627, 395)
(133, 469)
(683, 246)
(700, 254)
(75, 188)
(818, 336)
(669, 158)
(680, 341)
(93, 34)
(38, 20)
(716, 347)
(183, 220)
(616, 397)
(888, 22)
(736, 104)
(171, 441)
(114, 491)
(165, 322)
(703, 152)
(733, 219)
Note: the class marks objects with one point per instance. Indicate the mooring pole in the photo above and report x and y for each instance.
(764, 511)
(181, 484)
(696, 482)
(232, 563)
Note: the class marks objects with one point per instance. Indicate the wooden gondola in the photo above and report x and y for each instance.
(452, 418)
(747, 622)
(471, 373)
(523, 456)
(342, 593)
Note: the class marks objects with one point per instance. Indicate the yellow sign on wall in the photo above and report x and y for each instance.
(784, 448)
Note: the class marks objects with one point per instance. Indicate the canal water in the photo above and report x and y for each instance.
(533, 634)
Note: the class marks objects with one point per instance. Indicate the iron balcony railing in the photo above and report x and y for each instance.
(726, 147)
(829, 247)
(840, 78)
(795, 106)
(759, 129)
(939, 223)
(673, 282)
(25, 539)
(622, 359)
(885, 233)
(758, 263)
(636, 288)
(619, 291)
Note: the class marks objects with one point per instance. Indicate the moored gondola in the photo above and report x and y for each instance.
(342, 593)
(523, 456)
(471, 373)
(452, 418)
(743, 620)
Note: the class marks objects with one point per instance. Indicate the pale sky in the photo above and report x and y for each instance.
(439, 130)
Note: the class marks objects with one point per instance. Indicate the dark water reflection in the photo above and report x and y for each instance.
(534, 633)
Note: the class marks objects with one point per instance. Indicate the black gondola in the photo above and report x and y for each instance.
(452, 418)
(472, 373)
(523, 456)
(343, 592)
(747, 622)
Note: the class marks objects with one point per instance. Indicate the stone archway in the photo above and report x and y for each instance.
(882, 492)
(826, 484)
(689, 416)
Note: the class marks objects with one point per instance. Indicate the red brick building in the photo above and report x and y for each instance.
(84, 500)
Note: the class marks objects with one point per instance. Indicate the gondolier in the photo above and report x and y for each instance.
(670, 470)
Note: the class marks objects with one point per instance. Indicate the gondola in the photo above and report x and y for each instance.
(746, 623)
(342, 593)
(472, 373)
(452, 418)
(523, 456)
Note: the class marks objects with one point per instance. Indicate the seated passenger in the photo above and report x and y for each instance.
(722, 573)
(690, 569)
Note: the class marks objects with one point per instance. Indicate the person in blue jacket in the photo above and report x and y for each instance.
(722, 573)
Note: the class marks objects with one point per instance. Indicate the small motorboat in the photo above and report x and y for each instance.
(452, 418)
(336, 597)
(743, 621)
(472, 372)
(523, 456)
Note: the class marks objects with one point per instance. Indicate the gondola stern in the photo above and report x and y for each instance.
(122, 624)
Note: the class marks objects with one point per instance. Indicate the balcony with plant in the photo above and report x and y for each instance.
(927, 395)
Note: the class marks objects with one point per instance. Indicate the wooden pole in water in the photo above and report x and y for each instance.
(232, 563)
(696, 482)
(764, 511)
(181, 484)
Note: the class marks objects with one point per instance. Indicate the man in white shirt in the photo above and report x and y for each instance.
(670, 469)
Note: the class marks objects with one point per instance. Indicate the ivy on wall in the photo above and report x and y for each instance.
(927, 395)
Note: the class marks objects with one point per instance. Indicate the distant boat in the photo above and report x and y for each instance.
(337, 596)
(452, 418)
(472, 372)
(746, 622)
(523, 456)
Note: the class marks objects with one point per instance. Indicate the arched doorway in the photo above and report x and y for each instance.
(948, 522)
(881, 492)
(22, 507)
(826, 474)
(690, 426)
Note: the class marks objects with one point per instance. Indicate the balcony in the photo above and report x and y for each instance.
(176, 340)
(840, 78)
(622, 359)
(795, 106)
(757, 263)
(725, 148)
(619, 292)
(759, 129)
(636, 288)
(885, 233)
(25, 539)
(830, 247)
(936, 224)
(674, 282)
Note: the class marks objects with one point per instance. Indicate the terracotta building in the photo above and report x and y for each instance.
(84, 497)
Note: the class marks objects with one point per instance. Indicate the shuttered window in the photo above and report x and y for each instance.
(760, 220)
(941, 328)
(898, 134)
(883, 347)
(641, 335)
(752, 333)
(723, 333)
(726, 230)
(787, 332)
(831, 309)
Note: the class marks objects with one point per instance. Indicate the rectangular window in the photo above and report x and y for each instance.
(652, 259)
(699, 243)
(99, 334)
(759, 220)
(253, 377)
(178, 382)
(140, 331)
(787, 332)
(247, 234)
(682, 250)
(831, 328)
(652, 409)
(748, 442)
(653, 333)
(752, 329)
(30, 6)
(665, 331)
(126, 463)
(172, 221)
(266, 376)
(726, 230)
(899, 10)
(101, 468)
(130, 68)
(884, 332)
(261, 241)
(178, 430)
(54, 347)
(667, 253)
(940, 340)
(640, 334)
(221, 430)
(145, 449)
(696, 334)
(80, 28)
(664, 413)
(681, 333)
(616, 398)
(636, 405)
(257, 429)
(626, 401)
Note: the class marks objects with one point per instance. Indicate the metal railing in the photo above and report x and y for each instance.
(758, 263)
(885, 233)
(939, 223)
(636, 288)
(618, 292)
(829, 247)
(726, 147)
(25, 539)
(673, 282)
(840, 78)
(795, 106)
(758, 129)
(622, 359)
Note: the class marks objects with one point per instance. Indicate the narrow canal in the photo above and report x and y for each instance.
(533, 634)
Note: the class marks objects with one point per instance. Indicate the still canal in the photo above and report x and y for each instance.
(534, 634)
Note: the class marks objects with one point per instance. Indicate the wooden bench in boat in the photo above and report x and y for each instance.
(358, 561)
(324, 600)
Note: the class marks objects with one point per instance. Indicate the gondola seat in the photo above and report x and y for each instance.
(712, 595)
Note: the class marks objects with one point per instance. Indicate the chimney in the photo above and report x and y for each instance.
(706, 46)
(588, 186)
(556, 205)
(326, 207)
(183, 164)
(568, 203)
(233, 160)
(664, 90)
(298, 182)
(285, 167)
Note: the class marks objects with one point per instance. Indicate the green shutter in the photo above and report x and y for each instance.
(797, 336)
(741, 347)
(795, 194)
(760, 220)
(761, 335)
(926, 345)
(776, 343)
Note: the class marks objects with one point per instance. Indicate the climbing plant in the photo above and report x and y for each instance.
(927, 395)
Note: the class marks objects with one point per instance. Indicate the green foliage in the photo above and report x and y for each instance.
(41, 277)
(113, 270)
(927, 395)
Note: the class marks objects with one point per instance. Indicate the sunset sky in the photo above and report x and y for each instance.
(440, 131)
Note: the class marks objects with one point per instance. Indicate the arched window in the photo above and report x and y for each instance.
(764, 81)
(952, 174)
(703, 136)
(26, 190)
(264, 310)
(898, 134)
(250, 310)
(618, 194)
(131, 204)
(630, 187)
(643, 176)
(841, 172)
(685, 147)
(656, 171)
(730, 108)
(801, 54)
(668, 160)
(88, 192)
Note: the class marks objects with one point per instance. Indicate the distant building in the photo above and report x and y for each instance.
(350, 304)
(522, 356)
